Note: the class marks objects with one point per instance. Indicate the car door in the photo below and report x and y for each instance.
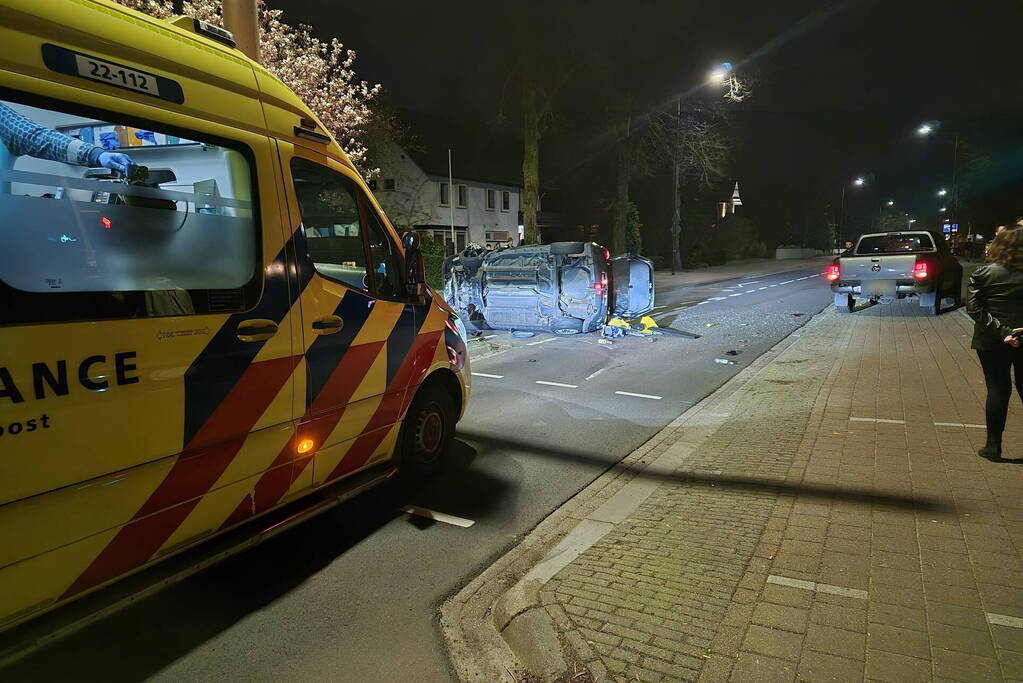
(356, 327)
(633, 281)
(146, 348)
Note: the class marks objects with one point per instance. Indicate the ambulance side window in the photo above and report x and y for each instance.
(330, 220)
(102, 218)
(384, 255)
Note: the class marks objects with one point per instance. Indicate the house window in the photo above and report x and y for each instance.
(491, 200)
(444, 196)
(505, 200)
(389, 185)
(463, 196)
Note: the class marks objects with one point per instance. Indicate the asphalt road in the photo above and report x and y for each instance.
(353, 594)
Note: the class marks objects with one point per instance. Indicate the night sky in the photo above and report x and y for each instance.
(839, 87)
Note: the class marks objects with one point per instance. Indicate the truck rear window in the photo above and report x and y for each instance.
(894, 244)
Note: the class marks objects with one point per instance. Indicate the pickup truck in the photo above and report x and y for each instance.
(888, 265)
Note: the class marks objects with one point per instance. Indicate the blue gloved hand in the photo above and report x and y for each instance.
(116, 161)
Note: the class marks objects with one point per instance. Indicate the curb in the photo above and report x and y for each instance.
(495, 627)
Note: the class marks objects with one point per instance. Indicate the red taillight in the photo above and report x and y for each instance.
(601, 285)
(607, 254)
(920, 270)
(832, 273)
(106, 222)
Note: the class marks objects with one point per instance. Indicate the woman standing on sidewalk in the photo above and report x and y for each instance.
(995, 302)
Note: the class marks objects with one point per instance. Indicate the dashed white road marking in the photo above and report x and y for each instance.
(438, 516)
(542, 341)
(700, 303)
(819, 587)
(485, 374)
(596, 373)
(774, 285)
(787, 282)
(629, 393)
(736, 294)
(760, 288)
(717, 298)
(877, 419)
(959, 424)
(1004, 620)
(557, 384)
(747, 284)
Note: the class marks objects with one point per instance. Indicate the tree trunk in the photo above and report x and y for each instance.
(618, 224)
(676, 223)
(530, 166)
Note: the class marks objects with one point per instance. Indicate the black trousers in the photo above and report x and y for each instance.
(999, 365)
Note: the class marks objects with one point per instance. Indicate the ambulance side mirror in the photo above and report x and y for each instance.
(415, 276)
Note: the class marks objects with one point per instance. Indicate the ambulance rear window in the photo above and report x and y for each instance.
(101, 218)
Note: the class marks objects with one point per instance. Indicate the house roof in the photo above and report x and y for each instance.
(478, 152)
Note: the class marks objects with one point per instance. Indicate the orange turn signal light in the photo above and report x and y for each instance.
(305, 445)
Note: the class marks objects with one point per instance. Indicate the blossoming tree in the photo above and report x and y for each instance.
(320, 72)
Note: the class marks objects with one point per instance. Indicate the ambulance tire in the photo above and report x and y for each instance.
(427, 432)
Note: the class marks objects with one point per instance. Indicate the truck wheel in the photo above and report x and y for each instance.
(931, 302)
(845, 303)
(427, 432)
(564, 248)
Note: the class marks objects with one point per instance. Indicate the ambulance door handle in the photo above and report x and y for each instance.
(256, 329)
(328, 325)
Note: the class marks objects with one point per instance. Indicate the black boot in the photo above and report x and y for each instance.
(992, 450)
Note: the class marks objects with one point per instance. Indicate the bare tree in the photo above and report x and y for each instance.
(694, 145)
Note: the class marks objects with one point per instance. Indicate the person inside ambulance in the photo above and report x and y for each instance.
(22, 136)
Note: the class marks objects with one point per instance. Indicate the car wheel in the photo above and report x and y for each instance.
(427, 431)
(563, 248)
(567, 326)
(845, 303)
(931, 302)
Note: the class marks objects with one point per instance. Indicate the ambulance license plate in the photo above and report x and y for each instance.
(82, 65)
(101, 70)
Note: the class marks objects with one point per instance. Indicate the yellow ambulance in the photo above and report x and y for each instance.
(207, 324)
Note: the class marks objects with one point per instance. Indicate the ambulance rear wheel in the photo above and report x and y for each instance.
(427, 431)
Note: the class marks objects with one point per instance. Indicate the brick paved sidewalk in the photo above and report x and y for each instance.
(829, 520)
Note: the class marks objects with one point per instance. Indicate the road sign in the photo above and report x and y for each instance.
(736, 201)
(955, 227)
(946, 228)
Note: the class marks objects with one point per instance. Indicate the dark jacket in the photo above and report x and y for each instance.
(995, 302)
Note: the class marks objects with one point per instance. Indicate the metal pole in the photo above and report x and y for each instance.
(955, 180)
(451, 203)
(241, 18)
(841, 221)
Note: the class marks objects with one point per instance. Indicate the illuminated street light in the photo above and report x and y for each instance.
(942, 192)
(891, 202)
(942, 209)
(721, 73)
(859, 182)
(925, 129)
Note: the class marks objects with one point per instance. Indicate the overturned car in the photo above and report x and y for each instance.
(564, 287)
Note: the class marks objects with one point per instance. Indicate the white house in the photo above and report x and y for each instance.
(416, 194)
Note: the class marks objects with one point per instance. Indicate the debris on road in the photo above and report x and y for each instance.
(522, 335)
(724, 361)
(605, 342)
(732, 352)
(711, 324)
(798, 315)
